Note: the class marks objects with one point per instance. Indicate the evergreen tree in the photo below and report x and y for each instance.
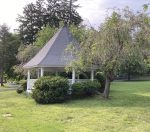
(43, 12)
(28, 27)
(8, 49)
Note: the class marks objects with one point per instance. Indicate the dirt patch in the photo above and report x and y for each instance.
(8, 115)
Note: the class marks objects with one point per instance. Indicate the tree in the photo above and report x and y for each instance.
(109, 43)
(79, 32)
(43, 13)
(8, 49)
(107, 47)
(15, 42)
(27, 28)
(25, 53)
(133, 63)
(44, 36)
(68, 13)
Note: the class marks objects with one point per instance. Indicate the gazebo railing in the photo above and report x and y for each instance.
(31, 82)
(78, 80)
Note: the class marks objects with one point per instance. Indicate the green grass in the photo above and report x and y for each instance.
(128, 110)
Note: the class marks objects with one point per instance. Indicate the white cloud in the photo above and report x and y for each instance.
(93, 11)
(9, 10)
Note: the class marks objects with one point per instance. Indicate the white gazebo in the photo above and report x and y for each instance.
(51, 57)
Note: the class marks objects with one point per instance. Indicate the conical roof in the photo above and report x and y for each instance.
(52, 54)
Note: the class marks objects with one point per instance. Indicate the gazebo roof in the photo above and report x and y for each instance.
(53, 53)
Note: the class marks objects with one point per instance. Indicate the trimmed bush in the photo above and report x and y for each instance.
(24, 84)
(85, 89)
(101, 78)
(19, 90)
(50, 90)
(78, 90)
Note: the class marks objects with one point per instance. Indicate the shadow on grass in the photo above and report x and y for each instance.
(121, 100)
(118, 98)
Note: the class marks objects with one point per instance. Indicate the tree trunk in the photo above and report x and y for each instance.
(5, 79)
(107, 87)
(2, 84)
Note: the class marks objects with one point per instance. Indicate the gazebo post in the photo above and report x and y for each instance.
(38, 72)
(28, 81)
(42, 71)
(73, 76)
(92, 75)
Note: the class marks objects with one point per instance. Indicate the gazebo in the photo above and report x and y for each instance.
(52, 58)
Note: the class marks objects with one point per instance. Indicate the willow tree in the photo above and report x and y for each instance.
(113, 38)
(133, 63)
(107, 47)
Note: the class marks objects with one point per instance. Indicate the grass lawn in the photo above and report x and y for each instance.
(128, 110)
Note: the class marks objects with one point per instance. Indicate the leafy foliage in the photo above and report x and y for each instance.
(23, 84)
(145, 7)
(19, 90)
(107, 47)
(46, 12)
(44, 35)
(9, 44)
(79, 32)
(26, 53)
(101, 79)
(50, 90)
(85, 89)
(133, 63)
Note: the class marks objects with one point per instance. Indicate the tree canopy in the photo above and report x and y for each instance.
(43, 13)
(107, 47)
(45, 35)
(9, 44)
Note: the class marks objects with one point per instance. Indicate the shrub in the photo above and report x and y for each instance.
(19, 90)
(50, 90)
(78, 90)
(24, 84)
(101, 78)
(85, 89)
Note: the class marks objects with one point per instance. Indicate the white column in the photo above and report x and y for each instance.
(42, 71)
(73, 76)
(92, 75)
(28, 81)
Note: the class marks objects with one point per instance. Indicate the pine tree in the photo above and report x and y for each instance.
(8, 49)
(43, 12)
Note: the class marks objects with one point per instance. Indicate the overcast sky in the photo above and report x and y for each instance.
(93, 11)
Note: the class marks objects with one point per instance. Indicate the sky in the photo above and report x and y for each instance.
(92, 11)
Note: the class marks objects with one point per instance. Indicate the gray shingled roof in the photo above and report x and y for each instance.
(52, 54)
